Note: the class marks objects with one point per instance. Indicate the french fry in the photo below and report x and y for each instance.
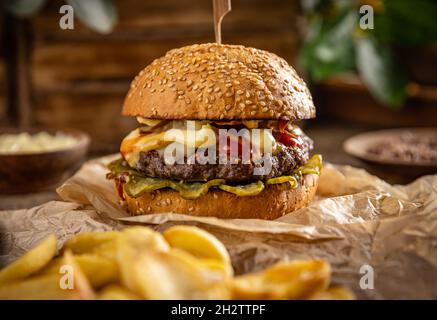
(97, 269)
(198, 242)
(89, 241)
(49, 286)
(116, 292)
(285, 280)
(31, 262)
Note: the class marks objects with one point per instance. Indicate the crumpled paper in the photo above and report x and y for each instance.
(366, 228)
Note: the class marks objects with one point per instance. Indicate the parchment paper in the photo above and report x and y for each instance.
(357, 220)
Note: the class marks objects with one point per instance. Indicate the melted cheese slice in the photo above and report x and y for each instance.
(137, 142)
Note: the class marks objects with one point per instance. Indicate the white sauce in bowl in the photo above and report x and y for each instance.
(34, 143)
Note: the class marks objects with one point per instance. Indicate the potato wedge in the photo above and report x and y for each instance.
(31, 262)
(145, 238)
(335, 293)
(217, 265)
(89, 241)
(116, 292)
(196, 241)
(173, 274)
(99, 270)
(48, 286)
(81, 283)
(38, 288)
(284, 280)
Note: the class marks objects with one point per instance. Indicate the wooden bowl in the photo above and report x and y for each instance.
(32, 172)
(393, 170)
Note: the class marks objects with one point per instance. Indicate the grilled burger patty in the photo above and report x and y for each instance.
(285, 162)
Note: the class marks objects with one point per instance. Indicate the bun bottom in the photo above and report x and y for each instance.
(273, 202)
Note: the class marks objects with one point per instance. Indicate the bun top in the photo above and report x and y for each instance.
(219, 82)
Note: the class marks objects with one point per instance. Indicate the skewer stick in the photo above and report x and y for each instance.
(221, 8)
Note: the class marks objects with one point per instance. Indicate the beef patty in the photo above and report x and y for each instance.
(285, 162)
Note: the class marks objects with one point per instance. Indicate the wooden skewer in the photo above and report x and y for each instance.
(221, 8)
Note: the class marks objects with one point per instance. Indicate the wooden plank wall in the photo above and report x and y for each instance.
(79, 78)
(3, 80)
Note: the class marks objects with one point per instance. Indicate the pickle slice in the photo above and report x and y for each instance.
(120, 166)
(312, 166)
(251, 189)
(196, 189)
(283, 179)
(136, 186)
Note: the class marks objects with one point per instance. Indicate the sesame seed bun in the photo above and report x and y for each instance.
(273, 202)
(214, 82)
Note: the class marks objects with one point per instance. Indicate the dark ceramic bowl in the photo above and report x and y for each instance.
(32, 172)
(395, 170)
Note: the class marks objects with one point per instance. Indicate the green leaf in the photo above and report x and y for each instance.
(24, 8)
(407, 22)
(99, 15)
(330, 50)
(379, 70)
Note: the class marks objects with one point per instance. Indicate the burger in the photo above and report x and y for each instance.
(186, 101)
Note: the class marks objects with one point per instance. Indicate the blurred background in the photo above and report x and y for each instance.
(361, 77)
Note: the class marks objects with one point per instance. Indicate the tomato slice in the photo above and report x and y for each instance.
(283, 125)
(287, 138)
